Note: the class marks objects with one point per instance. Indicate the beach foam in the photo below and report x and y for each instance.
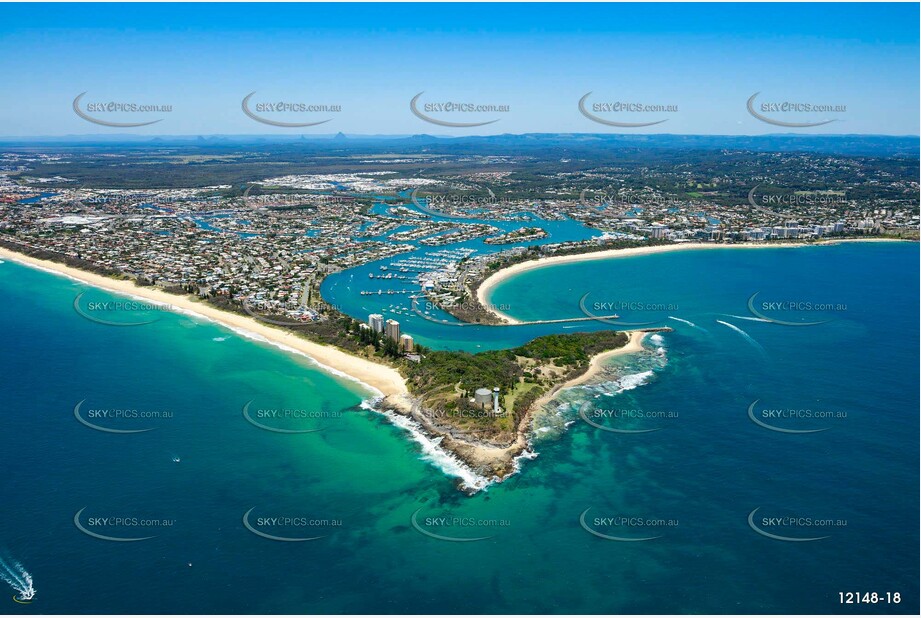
(431, 449)
(552, 423)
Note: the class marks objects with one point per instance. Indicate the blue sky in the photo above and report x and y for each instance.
(538, 60)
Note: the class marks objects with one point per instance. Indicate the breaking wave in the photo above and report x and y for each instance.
(431, 449)
(552, 421)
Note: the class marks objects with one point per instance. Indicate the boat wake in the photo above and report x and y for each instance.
(746, 317)
(688, 322)
(745, 335)
(18, 578)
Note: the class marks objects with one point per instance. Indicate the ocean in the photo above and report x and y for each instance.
(662, 488)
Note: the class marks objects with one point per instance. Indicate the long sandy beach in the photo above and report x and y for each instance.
(382, 378)
(494, 280)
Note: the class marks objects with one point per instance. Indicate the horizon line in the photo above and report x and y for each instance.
(342, 134)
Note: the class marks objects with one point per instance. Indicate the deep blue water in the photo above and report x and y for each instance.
(704, 470)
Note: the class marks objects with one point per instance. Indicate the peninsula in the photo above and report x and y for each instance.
(442, 392)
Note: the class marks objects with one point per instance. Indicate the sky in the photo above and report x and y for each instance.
(696, 64)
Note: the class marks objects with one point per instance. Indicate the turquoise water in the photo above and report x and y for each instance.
(697, 477)
(343, 289)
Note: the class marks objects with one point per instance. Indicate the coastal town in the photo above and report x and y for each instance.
(444, 309)
(268, 244)
(432, 245)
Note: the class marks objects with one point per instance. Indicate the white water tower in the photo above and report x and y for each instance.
(482, 396)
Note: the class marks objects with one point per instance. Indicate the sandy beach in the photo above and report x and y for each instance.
(385, 380)
(494, 280)
(635, 344)
(502, 460)
(382, 378)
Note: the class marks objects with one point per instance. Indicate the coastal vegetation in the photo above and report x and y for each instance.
(445, 381)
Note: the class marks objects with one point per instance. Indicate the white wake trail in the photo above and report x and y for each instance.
(745, 317)
(18, 578)
(747, 337)
(688, 322)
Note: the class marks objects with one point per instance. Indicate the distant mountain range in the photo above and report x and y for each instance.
(568, 144)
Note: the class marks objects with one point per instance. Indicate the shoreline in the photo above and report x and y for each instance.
(596, 364)
(458, 457)
(477, 456)
(488, 285)
(384, 380)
